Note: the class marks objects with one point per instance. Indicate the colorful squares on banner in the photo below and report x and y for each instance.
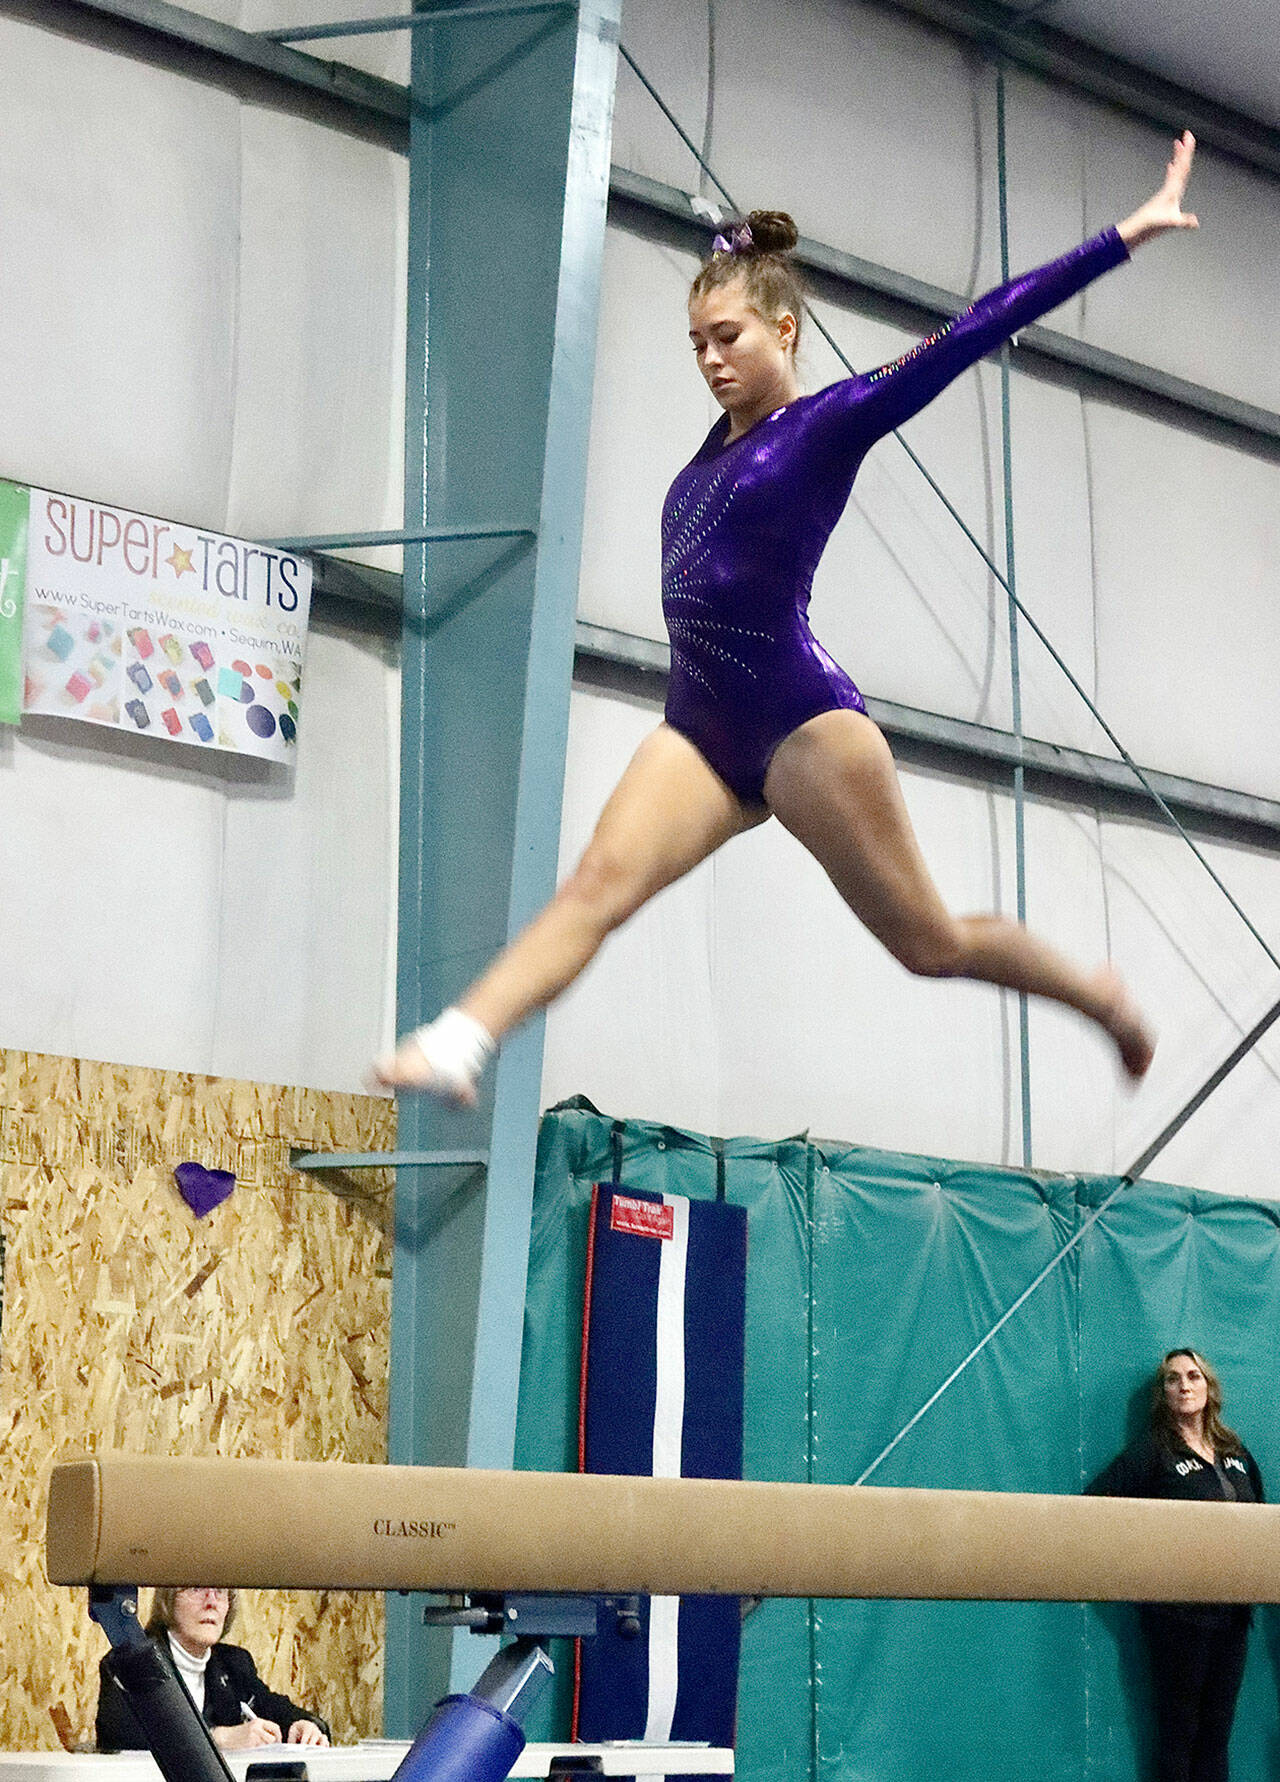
(169, 699)
(73, 664)
(160, 682)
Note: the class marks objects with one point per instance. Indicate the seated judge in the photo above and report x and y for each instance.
(241, 1712)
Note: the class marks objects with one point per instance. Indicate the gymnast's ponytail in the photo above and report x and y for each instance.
(758, 251)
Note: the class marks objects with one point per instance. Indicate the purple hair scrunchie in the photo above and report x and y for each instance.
(739, 240)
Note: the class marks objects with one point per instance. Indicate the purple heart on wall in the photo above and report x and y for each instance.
(203, 1189)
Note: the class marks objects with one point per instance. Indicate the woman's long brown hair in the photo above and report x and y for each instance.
(1224, 1440)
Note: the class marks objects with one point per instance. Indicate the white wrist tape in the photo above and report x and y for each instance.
(457, 1048)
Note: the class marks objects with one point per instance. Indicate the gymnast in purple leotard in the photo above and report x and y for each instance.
(760, 722)
(746, 521)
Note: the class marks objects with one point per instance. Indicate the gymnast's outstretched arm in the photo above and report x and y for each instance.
(857, 411)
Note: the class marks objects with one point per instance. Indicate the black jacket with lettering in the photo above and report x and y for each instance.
(1152, 1467)
(231, 1678)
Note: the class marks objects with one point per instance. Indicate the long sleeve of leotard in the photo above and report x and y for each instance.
(859, 410)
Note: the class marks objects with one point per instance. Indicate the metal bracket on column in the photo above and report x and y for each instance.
(401, 21)
(447, 1173)
(316, 1162)
(480, 1734)
(352, 541)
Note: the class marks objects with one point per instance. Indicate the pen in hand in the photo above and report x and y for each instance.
(264, 1732)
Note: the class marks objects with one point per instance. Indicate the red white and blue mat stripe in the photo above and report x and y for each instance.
(662, 1394)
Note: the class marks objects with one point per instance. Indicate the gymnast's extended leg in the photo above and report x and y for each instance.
(668, 813)
(834, 785)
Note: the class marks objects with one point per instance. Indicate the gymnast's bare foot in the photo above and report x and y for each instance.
(444, 1060)
(1122, 1019)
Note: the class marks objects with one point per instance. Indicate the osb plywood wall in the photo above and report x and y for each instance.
(130, 1324)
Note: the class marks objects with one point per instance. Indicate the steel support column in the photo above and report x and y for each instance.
(509, 169)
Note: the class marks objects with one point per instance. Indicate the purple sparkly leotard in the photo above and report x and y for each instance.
(744, 525)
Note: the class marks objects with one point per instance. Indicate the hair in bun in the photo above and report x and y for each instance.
(757, 251)
(772, 231)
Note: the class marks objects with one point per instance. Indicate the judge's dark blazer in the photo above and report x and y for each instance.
(231, 1678)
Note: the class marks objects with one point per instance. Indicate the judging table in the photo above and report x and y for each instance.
(373, 1760)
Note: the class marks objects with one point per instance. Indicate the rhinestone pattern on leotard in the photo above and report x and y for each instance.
(745, 523)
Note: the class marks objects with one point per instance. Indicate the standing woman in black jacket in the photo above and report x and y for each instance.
(1197, 1649)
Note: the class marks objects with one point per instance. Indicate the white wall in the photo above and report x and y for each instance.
(205, 913)
(204, 318)
(747, 1000)
(201, 298)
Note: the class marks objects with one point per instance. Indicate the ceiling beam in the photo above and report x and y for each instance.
(252, 67)
(1042, 49)
(366, 105)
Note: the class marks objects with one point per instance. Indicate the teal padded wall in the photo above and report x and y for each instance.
(870, 1276)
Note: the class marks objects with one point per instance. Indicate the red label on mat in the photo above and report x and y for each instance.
(646, 1218)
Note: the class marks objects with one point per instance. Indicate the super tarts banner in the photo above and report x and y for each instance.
(157, 628)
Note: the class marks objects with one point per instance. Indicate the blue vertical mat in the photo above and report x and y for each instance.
(662, 1391)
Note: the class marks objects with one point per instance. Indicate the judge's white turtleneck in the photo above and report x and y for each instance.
(191, 1670)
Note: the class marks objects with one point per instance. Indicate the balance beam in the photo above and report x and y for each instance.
(118, 1519)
